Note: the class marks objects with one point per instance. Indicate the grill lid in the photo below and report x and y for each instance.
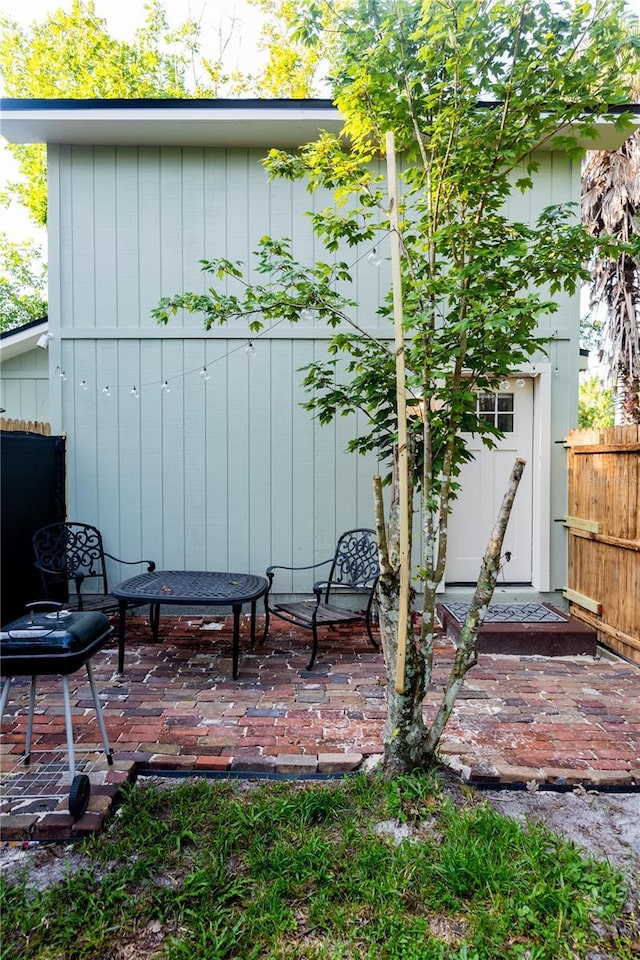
(36, 644)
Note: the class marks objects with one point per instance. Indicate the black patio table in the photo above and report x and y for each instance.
(190, 588)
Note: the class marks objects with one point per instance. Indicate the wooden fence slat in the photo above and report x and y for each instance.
(579, 523)
(587, 602)
(612, 541)
(25, 426)
(607, 448)
(603, 518)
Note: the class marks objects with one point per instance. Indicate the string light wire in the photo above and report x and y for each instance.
(247, 346)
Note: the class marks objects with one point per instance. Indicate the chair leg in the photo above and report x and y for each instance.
(374, 643)
(253, 625)
(314, 650)
(266, 623)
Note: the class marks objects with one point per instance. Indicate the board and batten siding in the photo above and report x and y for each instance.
(228, 472)
(557, 181)
(24, 386)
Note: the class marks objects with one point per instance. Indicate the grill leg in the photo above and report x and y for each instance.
(6, 687)
(96, 701)
(68, 727)
(32, 708)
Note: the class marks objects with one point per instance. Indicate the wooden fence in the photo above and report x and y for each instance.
(25, 426)
(603, 523)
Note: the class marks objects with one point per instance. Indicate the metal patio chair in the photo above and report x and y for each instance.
(74, 552)
(354, 570)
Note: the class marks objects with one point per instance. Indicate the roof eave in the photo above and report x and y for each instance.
(242, 123)
(16, 342)
(224, 123)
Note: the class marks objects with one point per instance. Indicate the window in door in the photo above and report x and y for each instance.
(497, 409)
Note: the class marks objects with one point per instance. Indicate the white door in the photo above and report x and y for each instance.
(484, 482)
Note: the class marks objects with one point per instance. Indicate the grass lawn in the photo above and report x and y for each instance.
(361, 867)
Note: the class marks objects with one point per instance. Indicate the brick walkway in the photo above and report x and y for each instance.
(557, 721)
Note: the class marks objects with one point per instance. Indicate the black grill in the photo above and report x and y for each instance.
(50, 640)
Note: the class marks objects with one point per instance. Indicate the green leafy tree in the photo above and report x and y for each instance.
(72, 54)
(295, 68)
(469, 90)
(595, 403)
(23, 283)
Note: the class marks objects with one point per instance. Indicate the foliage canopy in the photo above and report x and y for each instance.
(23, 283)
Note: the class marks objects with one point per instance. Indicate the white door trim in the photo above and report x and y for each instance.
(541, 466)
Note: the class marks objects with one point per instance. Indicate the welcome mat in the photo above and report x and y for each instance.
(510, 613)
(523, 629)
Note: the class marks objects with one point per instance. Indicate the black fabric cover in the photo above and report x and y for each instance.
(33, 495)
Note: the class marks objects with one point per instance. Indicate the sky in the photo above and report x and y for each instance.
(123, 16)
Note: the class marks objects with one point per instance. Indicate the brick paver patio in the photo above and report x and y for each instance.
(560, 721)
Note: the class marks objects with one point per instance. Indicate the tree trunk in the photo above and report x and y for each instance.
(408, 743)
(404, 730)
(627, 400)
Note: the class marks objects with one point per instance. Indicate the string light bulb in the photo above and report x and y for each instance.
(62, 375)
(83, 385)
(204, 374)
(306, 314)
(504, 384)
(106, 391)
(165, 387)
(134, 393)
(520, 382)
(374, 258)
(250, 350)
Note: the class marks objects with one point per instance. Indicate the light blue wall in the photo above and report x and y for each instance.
(24, 386)
(228, 473)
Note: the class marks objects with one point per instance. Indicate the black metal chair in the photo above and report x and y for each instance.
(354, 569)
(74, 551)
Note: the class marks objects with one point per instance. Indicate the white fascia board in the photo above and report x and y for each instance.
(229, 123)
(244, 126)
(14, 344)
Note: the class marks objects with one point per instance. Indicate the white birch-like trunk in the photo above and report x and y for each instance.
(408, 743)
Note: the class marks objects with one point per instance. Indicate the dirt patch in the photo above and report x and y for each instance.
(605, 825)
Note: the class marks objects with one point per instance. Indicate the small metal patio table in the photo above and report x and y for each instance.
(190, 588)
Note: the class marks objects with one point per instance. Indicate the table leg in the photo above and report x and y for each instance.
(237, 607)
(122, 612)
(253, 624)
(154, 620)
